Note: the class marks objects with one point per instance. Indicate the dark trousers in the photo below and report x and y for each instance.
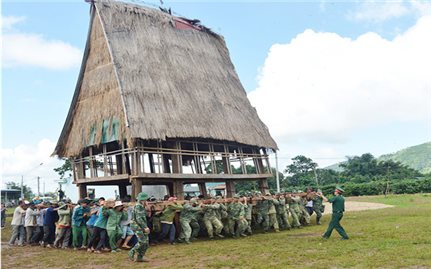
(335, 224)
(98, 238)
(37, 234)
(48, 234)
(168, 228)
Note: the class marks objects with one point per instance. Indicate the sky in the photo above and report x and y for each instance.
(330, 79)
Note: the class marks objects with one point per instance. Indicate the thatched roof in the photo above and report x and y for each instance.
(157, 82)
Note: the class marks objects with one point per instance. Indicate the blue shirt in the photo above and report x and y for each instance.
(101, 220)
(78, 216)
(92, 219)
(51, 217)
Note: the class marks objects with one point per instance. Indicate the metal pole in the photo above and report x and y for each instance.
(276, 172)
(38, 186)
(22, 188)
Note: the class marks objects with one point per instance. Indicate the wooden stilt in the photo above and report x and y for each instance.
(179, 189)
(230, 188)
(122, 190)
(202, 189)
(263, 185)
(82, 188)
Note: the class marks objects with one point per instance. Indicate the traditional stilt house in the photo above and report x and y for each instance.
(158, 102)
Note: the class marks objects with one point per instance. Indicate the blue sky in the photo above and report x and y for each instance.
(262, 37)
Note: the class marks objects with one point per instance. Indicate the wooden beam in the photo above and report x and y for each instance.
(103, 179)
(204, 177)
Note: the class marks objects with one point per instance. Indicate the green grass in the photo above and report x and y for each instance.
(398, 237)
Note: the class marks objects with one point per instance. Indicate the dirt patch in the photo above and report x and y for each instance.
(357, 206)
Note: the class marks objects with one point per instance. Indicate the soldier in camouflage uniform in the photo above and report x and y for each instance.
(263, 207)
(211, 221)
(223, 217)
(188, 220)
(272, 212)
(140, 228)
(248, 214)
(294, 209)
(282, 215)
(305, 216)
(236, 216)
(318, 206)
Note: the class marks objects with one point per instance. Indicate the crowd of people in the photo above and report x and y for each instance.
(99, 225)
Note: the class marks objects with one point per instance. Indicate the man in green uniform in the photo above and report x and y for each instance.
(305, 216)
(115, 216)
(140, 228)
(318, 206)
(211, 220)
(188, 220)
(282, 215)
(236, 216)
(294, 209)
(337, 214)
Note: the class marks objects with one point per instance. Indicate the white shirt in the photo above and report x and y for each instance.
(30, 217)
(18, 214)
(309, 203)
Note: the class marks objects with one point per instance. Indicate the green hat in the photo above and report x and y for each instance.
(236, 196)
(339, 189)
(142, 196)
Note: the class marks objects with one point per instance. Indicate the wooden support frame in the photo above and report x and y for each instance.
(230, 188)
(82, 189)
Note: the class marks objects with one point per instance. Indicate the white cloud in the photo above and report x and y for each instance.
(29, 49)
(7, 22)
(322, 87)
(378, 11)
(25, 160)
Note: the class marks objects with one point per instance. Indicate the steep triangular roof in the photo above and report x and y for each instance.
(166, 79)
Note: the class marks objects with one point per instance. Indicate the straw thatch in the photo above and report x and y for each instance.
(159, 81)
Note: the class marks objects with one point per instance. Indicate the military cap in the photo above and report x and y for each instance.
(142, 196)
(194, 201)
(339, 189)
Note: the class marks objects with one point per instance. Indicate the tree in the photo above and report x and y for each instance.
(301, 171)
(65, 170)
(28, 193)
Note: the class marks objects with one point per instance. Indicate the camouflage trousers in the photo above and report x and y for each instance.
(241, 226)
(189, 228)
(283, 220)
(305, 217)
(213, 222)
(141, 246)
(263, 219)
(318, 211)
(273, 221)
(295, 212)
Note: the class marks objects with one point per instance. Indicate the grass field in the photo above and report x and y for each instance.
(397, 237)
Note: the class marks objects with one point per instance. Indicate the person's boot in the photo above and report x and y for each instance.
(318, 221)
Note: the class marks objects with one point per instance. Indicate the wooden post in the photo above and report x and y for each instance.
(122, 190)
(179, 189)
(177, 164)
(90, 160)
(82, 188)
(105, 162)
(230, 188)
(202, 189)
(136, 188)
(263, 185)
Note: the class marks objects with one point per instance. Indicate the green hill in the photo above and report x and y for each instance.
(417, 157)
